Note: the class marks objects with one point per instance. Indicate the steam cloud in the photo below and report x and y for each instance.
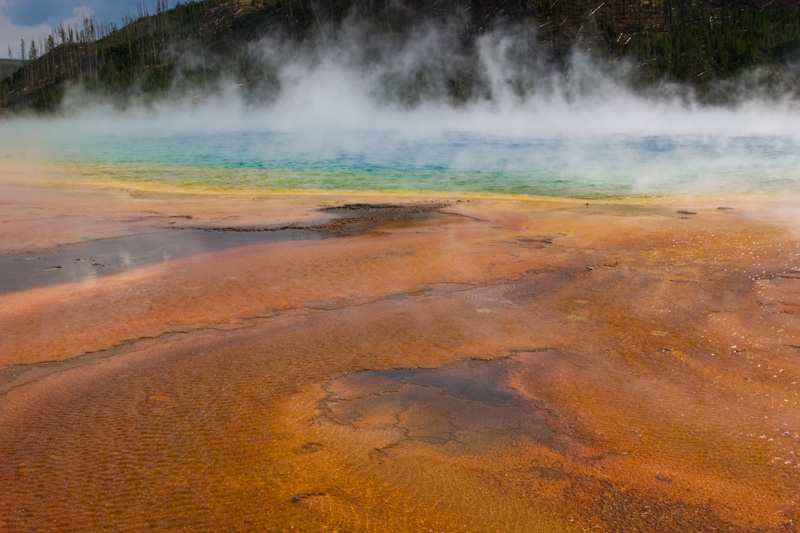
(356, 80)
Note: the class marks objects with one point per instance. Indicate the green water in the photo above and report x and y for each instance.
(586, 166)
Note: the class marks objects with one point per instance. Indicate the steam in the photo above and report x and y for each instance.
(582, 121)
(354, 79)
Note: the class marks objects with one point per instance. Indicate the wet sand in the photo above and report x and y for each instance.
(498, 364)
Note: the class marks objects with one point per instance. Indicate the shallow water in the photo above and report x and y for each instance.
(90, 260)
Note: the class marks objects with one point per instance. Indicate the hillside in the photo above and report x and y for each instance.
(8, 67)
(199, 47)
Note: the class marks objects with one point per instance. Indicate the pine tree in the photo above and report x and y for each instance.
(32, 65)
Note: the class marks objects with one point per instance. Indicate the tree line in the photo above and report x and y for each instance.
(689, 41)
(99, 55)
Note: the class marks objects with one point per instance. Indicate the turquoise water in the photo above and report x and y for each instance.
(587, 166)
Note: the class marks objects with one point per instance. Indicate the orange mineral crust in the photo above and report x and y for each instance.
(401, 364)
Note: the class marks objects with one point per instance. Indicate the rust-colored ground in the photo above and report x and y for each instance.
(508, 365)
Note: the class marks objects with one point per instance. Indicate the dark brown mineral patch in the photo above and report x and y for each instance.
(466, 405)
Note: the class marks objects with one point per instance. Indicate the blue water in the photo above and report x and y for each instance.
(570, 166)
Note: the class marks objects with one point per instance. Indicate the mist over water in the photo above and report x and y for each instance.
(361, 112)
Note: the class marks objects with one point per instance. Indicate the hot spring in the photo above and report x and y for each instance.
(319, 138)
(621, 355)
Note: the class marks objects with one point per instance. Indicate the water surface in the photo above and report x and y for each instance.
(585, 166)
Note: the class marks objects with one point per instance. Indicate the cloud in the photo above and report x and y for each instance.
(31, 13)
(26, 19)
(12, 33)
(37, 12)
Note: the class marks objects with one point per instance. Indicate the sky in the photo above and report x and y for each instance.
(24, 19)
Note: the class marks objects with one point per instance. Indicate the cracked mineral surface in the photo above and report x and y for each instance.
(499, 364)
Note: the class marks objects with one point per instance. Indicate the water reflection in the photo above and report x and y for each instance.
(89, 260)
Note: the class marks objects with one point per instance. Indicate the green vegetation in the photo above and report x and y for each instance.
(191, 47)
(8, 67)
(699, 42)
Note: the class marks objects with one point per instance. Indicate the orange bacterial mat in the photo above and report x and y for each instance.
(499, 365)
